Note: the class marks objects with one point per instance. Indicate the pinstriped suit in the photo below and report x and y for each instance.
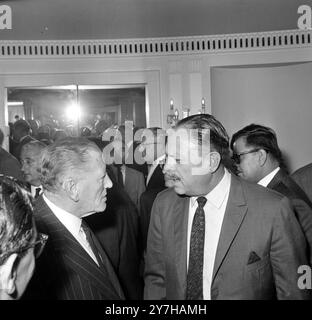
(65, 270)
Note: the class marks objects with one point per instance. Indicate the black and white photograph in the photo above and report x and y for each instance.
(155, 150)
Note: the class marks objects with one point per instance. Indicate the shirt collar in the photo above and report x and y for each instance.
(268, 178)
(23, 138)
(218, 194)
(70, 221)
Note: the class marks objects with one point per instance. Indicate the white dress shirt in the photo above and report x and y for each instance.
(73, 225)
(153, 167)
(268, 178)
(214, 213)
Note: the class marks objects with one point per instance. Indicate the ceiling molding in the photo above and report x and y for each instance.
(155, 46)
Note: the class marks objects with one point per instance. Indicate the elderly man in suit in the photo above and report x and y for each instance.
(259, 160)
(213, 235)
(74, 266)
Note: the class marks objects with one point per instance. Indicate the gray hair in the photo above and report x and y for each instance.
(63, 157)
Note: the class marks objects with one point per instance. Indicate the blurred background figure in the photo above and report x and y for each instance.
(129, 178)
(30, 159)
(85, 132)
(34, 127)
(19, 241)
(9, 165)
(21, 135)
(44, 135)
(59, 134)
(153, 148)
(100, 126)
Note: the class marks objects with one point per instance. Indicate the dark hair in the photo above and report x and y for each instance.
(262, 137)
(219, 138)
(22, 126)
(16, 218)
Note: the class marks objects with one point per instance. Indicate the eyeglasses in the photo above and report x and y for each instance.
(237, 156)
(38, 245)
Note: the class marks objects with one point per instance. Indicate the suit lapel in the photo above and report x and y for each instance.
(234, 214)
(157, 178)
(180, 216)
(77, 258)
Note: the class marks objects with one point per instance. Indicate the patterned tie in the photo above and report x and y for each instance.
(90, 240)
(37, 192)
(194, 286)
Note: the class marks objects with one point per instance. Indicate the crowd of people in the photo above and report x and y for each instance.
(128, 214)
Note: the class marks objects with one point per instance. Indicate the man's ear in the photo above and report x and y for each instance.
(71, 189)
(262, 157)
(8, 275)
(215, 160)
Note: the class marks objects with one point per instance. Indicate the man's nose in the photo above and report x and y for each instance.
(108, 182)
(169, 165)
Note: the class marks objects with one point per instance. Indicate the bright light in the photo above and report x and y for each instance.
(73, 112)
(15, 103)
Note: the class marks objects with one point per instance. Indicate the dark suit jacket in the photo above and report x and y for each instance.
(134, 184)
(10, 166)
(155, 185)
(303, 177)
(256, 220)
(117, 230)
(283, 184)
(65, 270)
(157, 179)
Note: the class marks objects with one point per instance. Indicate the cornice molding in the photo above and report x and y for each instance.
(156, 46)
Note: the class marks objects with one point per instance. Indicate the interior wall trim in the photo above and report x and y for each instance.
(156, 46)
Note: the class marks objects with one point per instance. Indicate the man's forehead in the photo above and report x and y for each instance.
(240, 142)
(30, 151)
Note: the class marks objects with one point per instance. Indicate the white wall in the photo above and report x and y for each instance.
(279, 97)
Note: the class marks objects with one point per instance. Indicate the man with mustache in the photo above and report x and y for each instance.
(213, 235)
(74, 266)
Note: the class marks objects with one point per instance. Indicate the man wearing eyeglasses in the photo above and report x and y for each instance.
(20, 243)
(259, 160)
(74, 265)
